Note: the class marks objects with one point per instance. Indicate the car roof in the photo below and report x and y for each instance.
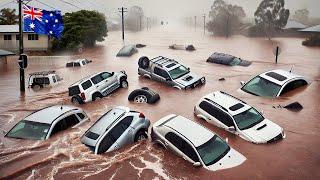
(280, 76)
(108, 119)
(84, 79)
(49, 114)
(166, 63)
(194, 132)
(227, 102)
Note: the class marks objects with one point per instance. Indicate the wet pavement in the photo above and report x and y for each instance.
(64, 157)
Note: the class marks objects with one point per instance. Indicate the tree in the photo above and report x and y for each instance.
(225, 19)
(301, 15)
(271, 16)
(82, 28)
(8, 17)
(134, 21)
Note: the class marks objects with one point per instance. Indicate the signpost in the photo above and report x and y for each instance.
(277, 52)
(23, 58)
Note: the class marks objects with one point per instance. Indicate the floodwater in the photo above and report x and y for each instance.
(64, 157)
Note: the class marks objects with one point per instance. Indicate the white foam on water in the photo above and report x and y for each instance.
(31, 177)
(155, 166)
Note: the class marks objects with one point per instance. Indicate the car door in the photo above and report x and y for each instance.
(98, 82)
(181, 147)
(109, 82)
(107, 144)
(127, 137)
(160, 74)
(292, 85)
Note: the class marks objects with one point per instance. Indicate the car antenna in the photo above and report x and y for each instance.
(61, 106)
(291, 69)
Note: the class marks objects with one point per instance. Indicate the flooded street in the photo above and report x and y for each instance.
(65, 157)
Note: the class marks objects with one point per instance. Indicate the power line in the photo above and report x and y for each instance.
(71, 4)
(45, 4)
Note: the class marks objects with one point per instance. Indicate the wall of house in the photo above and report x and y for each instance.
(42, 44)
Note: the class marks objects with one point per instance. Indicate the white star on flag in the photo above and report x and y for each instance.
(32, 26)
(51, 14)
(56, 21)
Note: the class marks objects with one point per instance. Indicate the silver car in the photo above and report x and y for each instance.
(195, 143)
(115, 129)
(169, 71)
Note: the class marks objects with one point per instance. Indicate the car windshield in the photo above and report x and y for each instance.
(236, 61)
(248, 119)
(29, 130)
(261, 87)
(213, 150)
(178, 72)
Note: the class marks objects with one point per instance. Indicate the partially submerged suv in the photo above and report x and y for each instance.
(170, 72)
(195, 143)
(42, 124)
(236, 116)
(273, 83)
(227, 59)
(97, 86)
(78, 63)
(42, 79)
(115, 129)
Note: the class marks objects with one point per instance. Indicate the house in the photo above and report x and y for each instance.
(9, 39)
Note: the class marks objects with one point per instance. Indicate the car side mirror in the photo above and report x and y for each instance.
(232, 128)
(188, 68)
(242, 83)
(112, 73)
(197, 164)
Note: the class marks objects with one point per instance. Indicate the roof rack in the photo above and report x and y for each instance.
(216, 104)
(160, 60)
(232, 97)
(44, 73)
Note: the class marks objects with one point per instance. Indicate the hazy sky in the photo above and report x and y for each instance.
(164, 8)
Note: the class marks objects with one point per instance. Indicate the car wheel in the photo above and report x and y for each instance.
(141, 135)
(96, 96)
(144, 62)
(140, 99)
(124, 83)
(36, 87)
(76, 100)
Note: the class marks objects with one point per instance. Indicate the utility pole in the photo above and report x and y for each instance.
(195, 23)
(140, 22)
(22, 81)
(122, 10)
(204, 23)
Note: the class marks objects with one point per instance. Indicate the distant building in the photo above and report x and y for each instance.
(9, 39)
(291, 24)
(312, 30)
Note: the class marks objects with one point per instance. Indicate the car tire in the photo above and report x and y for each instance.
(140, 93)
(144, 62)
(96, 96)
(124, 83)
(77, 100)
(141, 135)
(36, 87)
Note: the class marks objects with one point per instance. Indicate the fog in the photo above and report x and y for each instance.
(162, 8)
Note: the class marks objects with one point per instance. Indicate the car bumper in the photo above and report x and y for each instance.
(200, 82)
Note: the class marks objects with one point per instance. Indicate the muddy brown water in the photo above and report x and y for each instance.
(64, 157)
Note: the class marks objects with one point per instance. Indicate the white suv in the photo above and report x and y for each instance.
(237, 117)
(42, 79)
(78, 63)
(97, 86)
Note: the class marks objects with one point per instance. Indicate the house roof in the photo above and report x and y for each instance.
(5, 53)
(312, 29)
(10, 29)
(294, 25)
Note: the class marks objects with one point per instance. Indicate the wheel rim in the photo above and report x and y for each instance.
(124, 84)
(141, 137)
(140, 99)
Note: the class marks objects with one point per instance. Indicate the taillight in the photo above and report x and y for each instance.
(83, 96)
(141, 115)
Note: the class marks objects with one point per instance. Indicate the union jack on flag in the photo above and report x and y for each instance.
(42, 21)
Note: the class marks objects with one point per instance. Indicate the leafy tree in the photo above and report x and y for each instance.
(8, 17)
(82, 28)
(225, 19)
(135, 18)
(301, 15)
(271, 16)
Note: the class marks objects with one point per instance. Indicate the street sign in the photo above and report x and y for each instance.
(277, 52)
(23, 61)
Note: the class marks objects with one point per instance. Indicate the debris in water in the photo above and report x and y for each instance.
(140, 45)
(222, 79)
(296, 106)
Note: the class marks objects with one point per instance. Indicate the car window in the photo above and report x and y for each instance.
(87, 61)
(46, 80)
(216, 113)
(105, 75)
(161, 72)
(117, 130)
(81, 115)
(54, 79)
(29, 130)
(261, 87)
(38, 80)
(182, 145)
(60, 126)
(179, 72)
(127, 121)
(71, 120)
(70, 64)
(58, 78)
(83, 63)
(106, 143)
(96, 79)
(76, 64)
(293, 85)
(87, 84)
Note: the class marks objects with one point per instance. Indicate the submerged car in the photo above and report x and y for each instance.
(97, 86)
(42, 79)
(42, 124)
(195, 143)
(118, 127)
(227, 59)
(169, 71)
(273, 83)
(127, 51)
(78, 63)
(234, 115)
(144, 95)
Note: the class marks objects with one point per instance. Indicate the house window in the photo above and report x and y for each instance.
(7, 37)
(17, 37)
(33, 37)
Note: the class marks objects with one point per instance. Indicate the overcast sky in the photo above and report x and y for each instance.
(164, 8)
